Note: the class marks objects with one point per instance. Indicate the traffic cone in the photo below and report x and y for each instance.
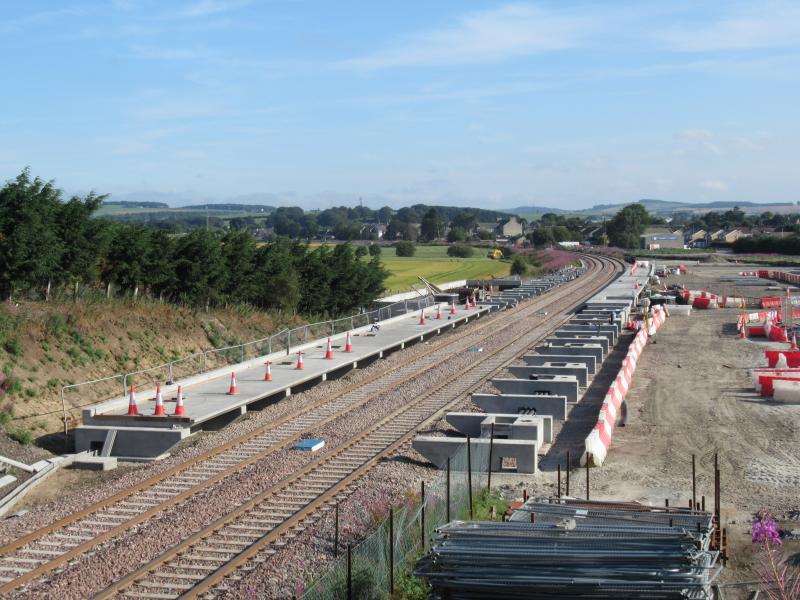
(299, 360)
(438, 311)
(348, 346)
(233, 390)
(422, 317)
(466, 304)
(453, 308)
(268, 374)
(329, 351)
(743, 332)
(794, 342)
(159, 402)
(636, 285)
(474, 303)
(179, 403)
(132, 403)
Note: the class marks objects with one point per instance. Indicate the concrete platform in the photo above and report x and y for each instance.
(577, 370)
(95, 463)
(209, 406)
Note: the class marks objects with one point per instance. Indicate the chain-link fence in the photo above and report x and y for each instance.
(370, 569)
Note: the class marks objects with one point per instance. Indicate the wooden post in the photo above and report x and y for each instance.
(559, 480)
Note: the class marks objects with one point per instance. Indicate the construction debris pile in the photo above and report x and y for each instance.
(563, 548)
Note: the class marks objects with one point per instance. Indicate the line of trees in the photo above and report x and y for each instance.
(47, 243)
(768, 244)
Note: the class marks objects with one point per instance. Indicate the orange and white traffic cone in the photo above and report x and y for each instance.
(159, 412)
(794, 342)
(132, 403)
(743, 332)
(233, 389)
(474, 303)
(348, 346)
(299, 361)
(422, 317)
(467, 304)
(438, 311)
(329, 351)
(179, 403)
(268, 374)
(453, 308)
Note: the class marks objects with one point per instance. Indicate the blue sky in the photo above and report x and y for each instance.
(553, 103)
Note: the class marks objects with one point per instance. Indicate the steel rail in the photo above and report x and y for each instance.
(309, 508)
(160, 478)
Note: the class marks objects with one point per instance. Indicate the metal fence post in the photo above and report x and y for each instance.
(448, 489)
(288, 341)
(469, 475)
(491, 452)
(349, 572)
(242, 353)
(391, 551)
(568, 466)
(422, 514)
(588, 460)
(336, 532)
(171, 376)
(694, 482)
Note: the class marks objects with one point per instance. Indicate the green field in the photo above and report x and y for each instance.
(434, 265)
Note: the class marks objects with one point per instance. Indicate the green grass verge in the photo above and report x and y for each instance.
(432, 263)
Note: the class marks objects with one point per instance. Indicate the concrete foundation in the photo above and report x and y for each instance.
(130, 442)
(557, 385)
(576, 370)
(580, 339)
(590, 362)
(506, 426)
(570, 348)
(543, 405)
(609, 331)
(438, 449)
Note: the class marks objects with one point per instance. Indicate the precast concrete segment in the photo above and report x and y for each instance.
(541, 404)
(438, 449)
(590, 362)
(576, 370)
(558, 385)
(506, 426)
(593, 322)
(609, 331)
(569, 348)
(579, 339)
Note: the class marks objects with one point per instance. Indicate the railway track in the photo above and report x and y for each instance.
(50, 548)
(252, 532)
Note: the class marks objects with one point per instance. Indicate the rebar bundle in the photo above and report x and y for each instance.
(563, 548)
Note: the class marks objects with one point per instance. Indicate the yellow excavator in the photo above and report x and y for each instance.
(495, 253)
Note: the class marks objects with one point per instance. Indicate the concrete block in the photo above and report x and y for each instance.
(130, 442)
(570, 348)
(96, 463)
(610, 331)
(580, 339)
(557, 385)
(590, 362)
(577, 370)
(543, 405)
(7, 479)
(506, 426)
(438, 449)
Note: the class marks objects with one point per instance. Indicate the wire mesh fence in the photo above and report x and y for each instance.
(370, 568)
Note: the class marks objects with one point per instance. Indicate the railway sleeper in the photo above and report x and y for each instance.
(168, 586)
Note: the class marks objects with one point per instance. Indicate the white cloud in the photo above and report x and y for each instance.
(695, 134)
(487, 36)
(169, 54)
(714, 185)
(774, 24)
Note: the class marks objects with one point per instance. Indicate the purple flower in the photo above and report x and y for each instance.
(764, 529)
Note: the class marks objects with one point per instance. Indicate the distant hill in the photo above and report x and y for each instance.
(134, 204)
(230, 207)
(661, 208)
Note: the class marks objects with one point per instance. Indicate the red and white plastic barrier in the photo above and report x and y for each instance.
(599, 440)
